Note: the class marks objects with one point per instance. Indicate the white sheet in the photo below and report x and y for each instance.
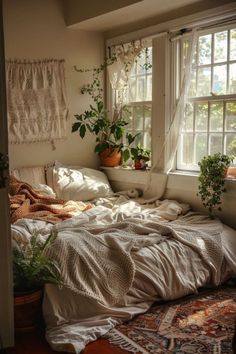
(164, 271)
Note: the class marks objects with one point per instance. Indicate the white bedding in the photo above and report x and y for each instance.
(166, 270)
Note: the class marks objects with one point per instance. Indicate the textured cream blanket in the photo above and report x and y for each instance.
(96, 261)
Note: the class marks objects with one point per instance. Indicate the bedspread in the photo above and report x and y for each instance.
(163, 260)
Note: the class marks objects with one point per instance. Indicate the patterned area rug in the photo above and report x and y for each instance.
(202, 323)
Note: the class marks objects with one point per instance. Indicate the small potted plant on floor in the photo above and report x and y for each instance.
(113, 141)
(140, 156)
(213, 170)
(31, 270)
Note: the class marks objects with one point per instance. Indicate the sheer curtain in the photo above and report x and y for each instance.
(169, 148)
(119, 70)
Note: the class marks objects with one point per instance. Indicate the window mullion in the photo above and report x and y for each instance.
(224, 122)
(208, 128)
(228, 58)
(212, 59)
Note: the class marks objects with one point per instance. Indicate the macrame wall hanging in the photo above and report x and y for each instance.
(36, 98)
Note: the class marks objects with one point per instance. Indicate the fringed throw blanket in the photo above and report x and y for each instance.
(36, 98)
(97, 261)
(26, 203)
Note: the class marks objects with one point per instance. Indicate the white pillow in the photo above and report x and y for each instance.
(44, 189)
(80, 183)
(31, 175)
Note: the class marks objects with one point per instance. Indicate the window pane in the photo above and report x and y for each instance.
(188, 118)
(219, 79)
(204, 49)
(141, 89)
(147, 140)
(139, 140)
(127, 115)
(216, 117)
(138, 118)
(192, 88)
(149, 88)
(220, 51)
(231, 116)
(132, 89)
(215, 143)
(201, 116)
(140, 63)
(187, 151)
(201, 146)
(147, 114)
(232, 78)
(204, 82)
(233, 44)
(231, 144)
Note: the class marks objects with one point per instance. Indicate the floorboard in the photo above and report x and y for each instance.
(35, 343)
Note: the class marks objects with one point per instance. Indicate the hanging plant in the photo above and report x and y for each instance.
(212, 180)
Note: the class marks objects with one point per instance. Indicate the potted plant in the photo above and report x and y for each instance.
(112, 139)
(213, 170)
(140, 156)
(31, 270)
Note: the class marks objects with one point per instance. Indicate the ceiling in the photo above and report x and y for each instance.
(139, 11)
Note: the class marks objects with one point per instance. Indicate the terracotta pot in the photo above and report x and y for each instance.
(110, 157)
(231, 172)
(27, 310)
(140, 164)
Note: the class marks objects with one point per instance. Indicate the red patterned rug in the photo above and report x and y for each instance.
(202, 323)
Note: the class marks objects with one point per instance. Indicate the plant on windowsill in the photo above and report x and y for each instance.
(213, 170)
(110, 132)
(140, 156)
(31, 270)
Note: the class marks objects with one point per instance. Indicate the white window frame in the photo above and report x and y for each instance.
(165, 91)
(207, 99)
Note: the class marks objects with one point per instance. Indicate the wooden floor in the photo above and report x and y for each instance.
(35, 343)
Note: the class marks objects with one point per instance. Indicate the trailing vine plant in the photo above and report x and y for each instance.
(97, 120)
(212, 180)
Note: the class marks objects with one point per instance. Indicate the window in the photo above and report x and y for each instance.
(138, 98)
(210, 113)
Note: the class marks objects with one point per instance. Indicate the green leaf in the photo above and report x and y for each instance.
(100, 106)
(82, 131)
(75, 126)
(101, 147)
(126, 155)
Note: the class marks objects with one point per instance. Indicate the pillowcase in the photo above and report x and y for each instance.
(32, 175)
(44, 189)
(80, 183)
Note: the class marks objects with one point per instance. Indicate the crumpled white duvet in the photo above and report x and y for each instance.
(167, 270)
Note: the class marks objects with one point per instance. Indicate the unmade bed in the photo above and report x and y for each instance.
(118, 256)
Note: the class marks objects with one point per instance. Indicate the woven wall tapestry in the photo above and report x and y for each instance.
(36, 99)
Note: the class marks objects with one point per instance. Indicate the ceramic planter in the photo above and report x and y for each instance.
(27, 310)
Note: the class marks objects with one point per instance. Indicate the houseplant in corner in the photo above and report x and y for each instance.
(113, 142)
(31, 270)
(213, 169)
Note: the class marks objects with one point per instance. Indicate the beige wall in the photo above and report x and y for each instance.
(35, 30)
(78, 10)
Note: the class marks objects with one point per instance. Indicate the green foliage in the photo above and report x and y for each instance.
(109, 133)
(140, 153)
(212, 180)
(31, 266)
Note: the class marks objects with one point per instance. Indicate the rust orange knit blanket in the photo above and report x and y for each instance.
(25, 202)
